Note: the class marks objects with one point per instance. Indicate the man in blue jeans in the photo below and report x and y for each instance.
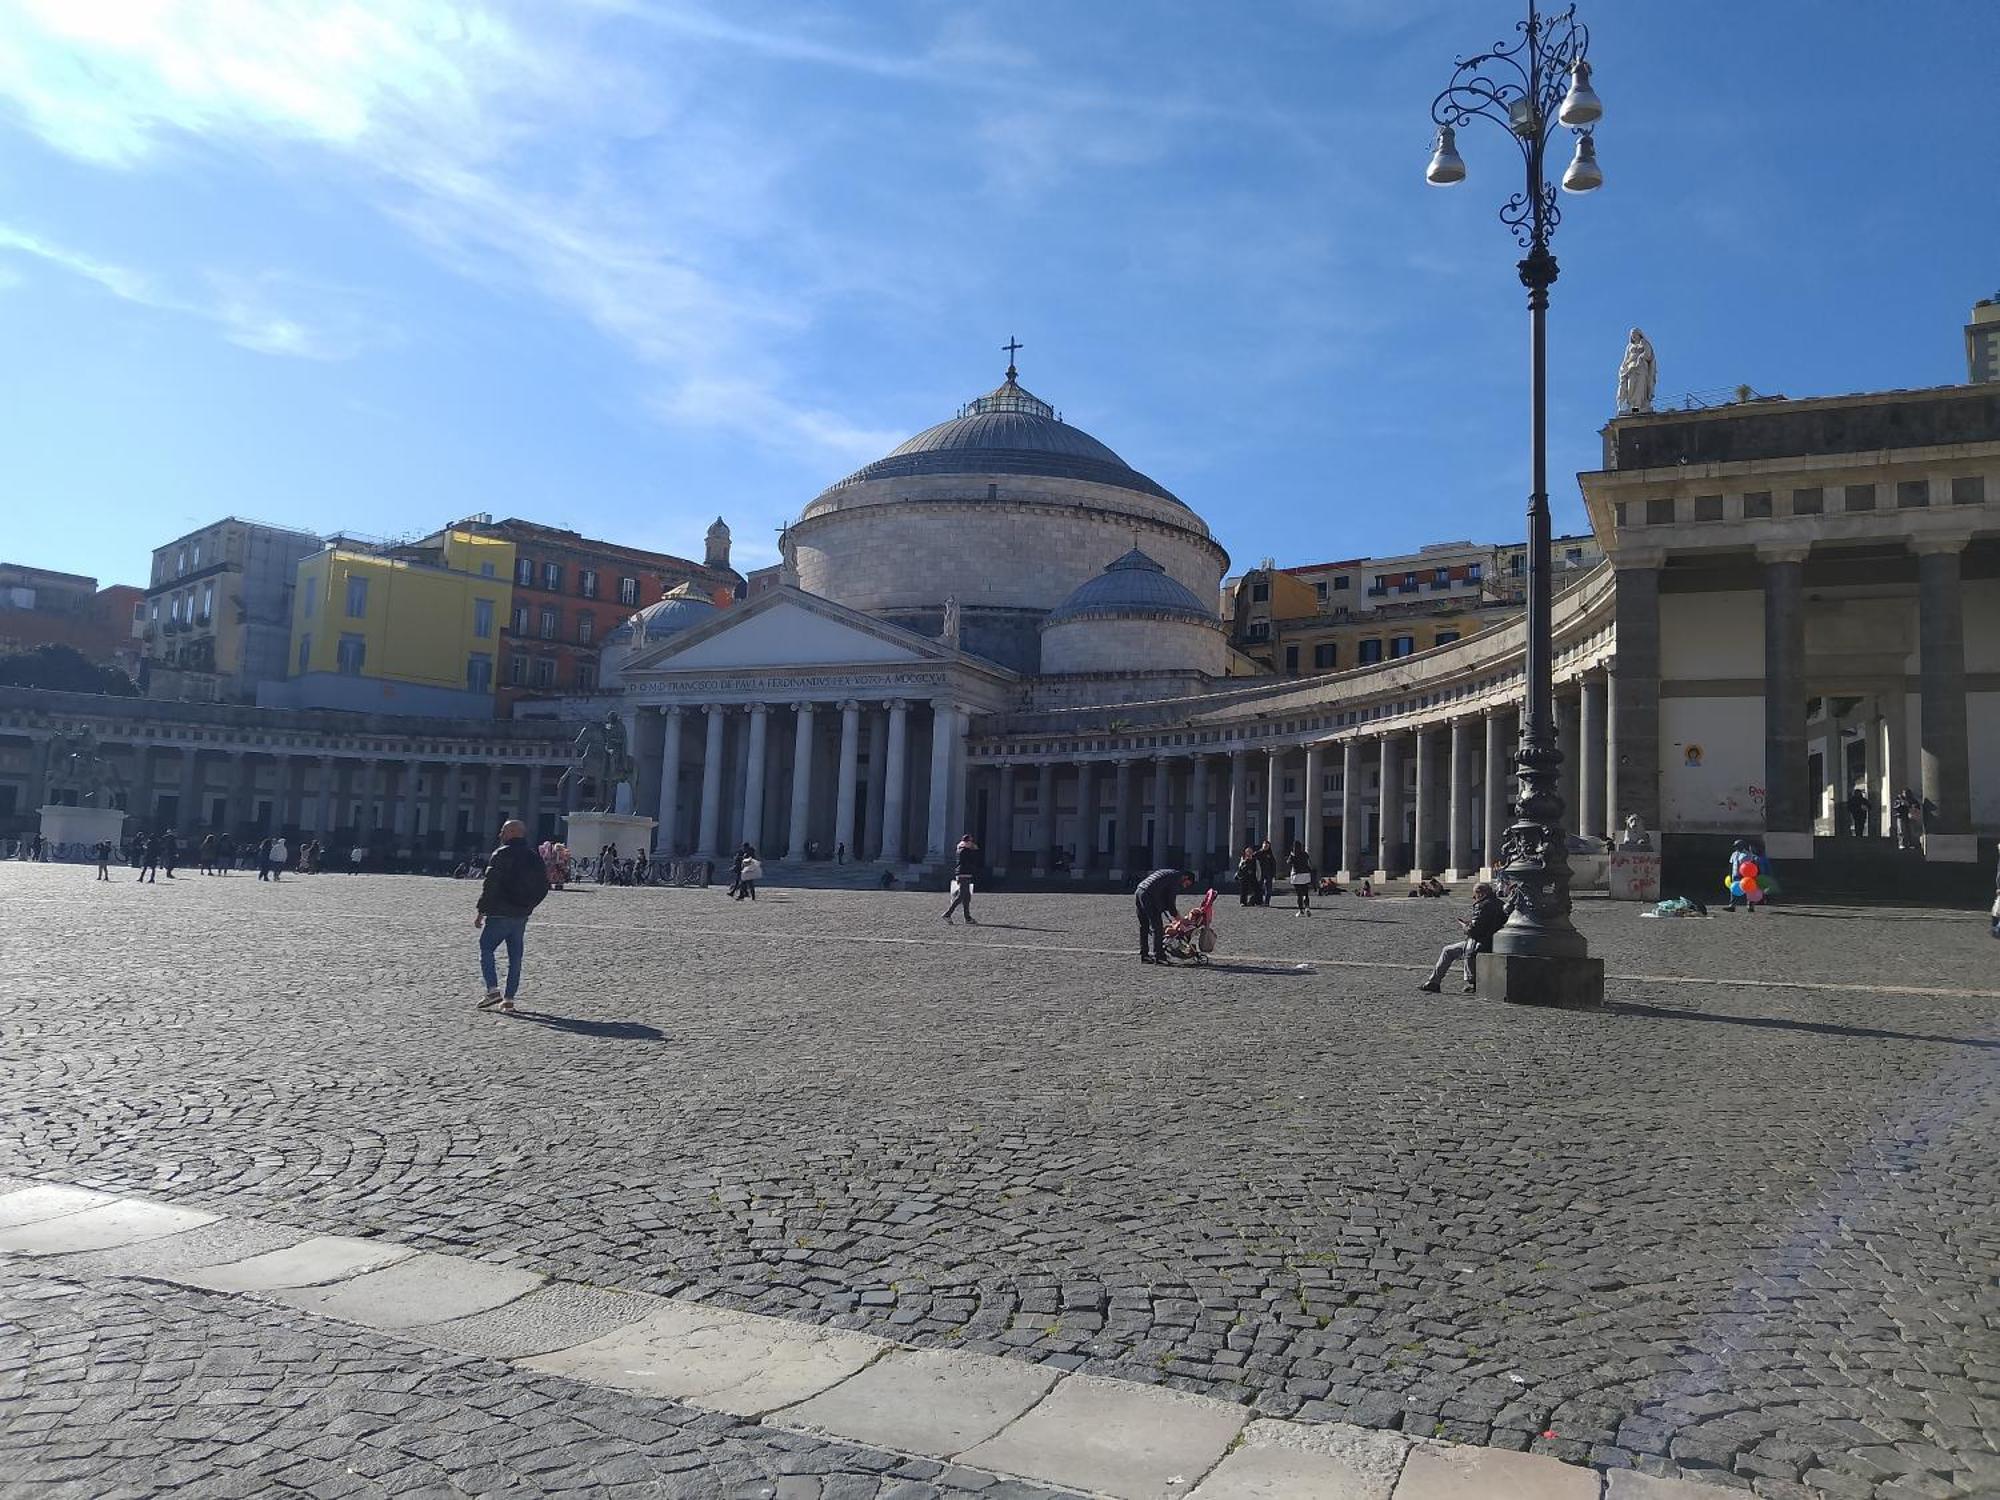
(514, 886)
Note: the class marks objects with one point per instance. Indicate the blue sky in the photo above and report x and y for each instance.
(627, 264)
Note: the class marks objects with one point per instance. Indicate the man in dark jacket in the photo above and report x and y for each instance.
(1488, 917)
(1267, 871)
(965, 873)
(514, 886)
(1155, 901)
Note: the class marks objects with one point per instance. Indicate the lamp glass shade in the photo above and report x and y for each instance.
(1580, 105)
(1447, 166)
(1583, 174)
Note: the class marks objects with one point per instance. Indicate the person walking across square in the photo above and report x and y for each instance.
(514, 886)
(1488, 917)
(104, 859)
(279, 854)
(964, 875)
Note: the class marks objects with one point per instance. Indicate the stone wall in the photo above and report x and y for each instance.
(1149, 644)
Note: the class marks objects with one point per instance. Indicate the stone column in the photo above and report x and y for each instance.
(1121, 847)
(488, 831)
(192, 812)
(453, 773)
(709, 845)
(1941, 732)
(531, 798)
(1590, 760)
(1239, 802)
(1001, 855)
(1636, 689)
(1570, 741)
(938, 836)
(1198, 850)
(871, 829)
(1312, 819)
(850, 767)
(1086, 818)
(753, 777)
(665, 836)
(405, 806)
(802, 769)
(1274, 798)
(1613, 818)
(1353, 815)
(235, 806)
(1423, 859)
(895, 781)
(1498, 811)
(1463, 777)
(1388, 852)
(1045, 793)
(1788, 820)
(323, 820)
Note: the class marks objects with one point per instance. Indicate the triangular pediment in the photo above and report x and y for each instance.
(787, 628)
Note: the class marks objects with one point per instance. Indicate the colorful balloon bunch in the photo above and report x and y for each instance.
(1744, 882)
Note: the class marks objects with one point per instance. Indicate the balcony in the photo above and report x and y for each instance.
(1379, 591)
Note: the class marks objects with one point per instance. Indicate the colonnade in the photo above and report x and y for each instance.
(867, 779)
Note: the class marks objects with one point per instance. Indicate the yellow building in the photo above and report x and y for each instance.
(381, 634)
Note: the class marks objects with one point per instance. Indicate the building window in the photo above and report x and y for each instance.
(479, 672)
(1409, 584)
(545, 671)
(1708, 507)
(1260, 593)
(1808, 502)
(353, 653)
(1325, 656)
(1441, 577)
(628, 591)
(586, 627)
(486, 570)
(552, 577)
(482, 618)
(586, 676)
(524, 572)
(1340, 583)
(357, 598)
(520, 626)
(1660, 512)
(207, 602)
(1911, 493)
(1371, 651)
(1573, 556)
(1402, 645)
(517, 669)
(1516, 563)
(550, 623)
(197, 552)
(1474, 572)
(1858, 497)
(310, 583)
(305, 651)
(1260, 630)
(181, 566)
(1380, 586)
(586, 583)
(1969, 489)
(1292, 660)
(1446, 637)
(1319, 590)
(1757, 505)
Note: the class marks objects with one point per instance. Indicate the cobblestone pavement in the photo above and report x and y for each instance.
(1743, 1230)
(136, 1390)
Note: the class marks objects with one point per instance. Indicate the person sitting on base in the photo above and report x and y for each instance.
(1488, 917)
(1154, 898)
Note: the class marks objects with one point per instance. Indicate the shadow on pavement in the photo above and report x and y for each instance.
(1777, 1023)
(610, 1031)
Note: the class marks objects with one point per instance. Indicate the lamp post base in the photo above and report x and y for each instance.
(1566, 983)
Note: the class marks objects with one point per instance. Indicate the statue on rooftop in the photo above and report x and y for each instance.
(1638, 372)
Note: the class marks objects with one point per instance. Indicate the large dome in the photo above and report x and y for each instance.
(1132, 585)
(1008, 431)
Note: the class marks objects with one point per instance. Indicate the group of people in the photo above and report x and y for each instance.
(1257, 874)
(745, 874)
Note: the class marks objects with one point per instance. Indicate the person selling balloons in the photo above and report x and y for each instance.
(1744, 881)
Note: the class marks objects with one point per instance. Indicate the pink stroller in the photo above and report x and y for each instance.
(1190, 937)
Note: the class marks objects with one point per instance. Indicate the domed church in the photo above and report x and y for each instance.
(1000, 560)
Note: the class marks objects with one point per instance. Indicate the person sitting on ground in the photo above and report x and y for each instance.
(1154, 899)
(1367, 887)
(1430, 885)
(1488, 917)
(888, 880)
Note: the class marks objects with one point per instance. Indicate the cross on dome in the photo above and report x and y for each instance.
(1013, 346)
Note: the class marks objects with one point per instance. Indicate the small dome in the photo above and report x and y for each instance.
(682, 609)
(1134, 584)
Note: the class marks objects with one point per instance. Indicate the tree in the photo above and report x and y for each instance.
(63, 669)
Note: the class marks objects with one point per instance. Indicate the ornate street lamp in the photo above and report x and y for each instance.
(1528, 88)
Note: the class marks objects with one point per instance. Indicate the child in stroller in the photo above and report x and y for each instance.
(1190, 937)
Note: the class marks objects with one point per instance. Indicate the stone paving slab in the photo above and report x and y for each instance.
(32, 1204)
(310, 1262)
(1440, 1473)
(728, 1361)
(1629, 1484)
(1288, 1461)
(209, 1245)
(422, 1289)
(123, 1221)
(937, 1402)
(559, 1315)
(1128, 1441)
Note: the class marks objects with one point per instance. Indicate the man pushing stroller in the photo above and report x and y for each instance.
(1155, 901)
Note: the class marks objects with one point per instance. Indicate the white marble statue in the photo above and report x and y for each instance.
(951, 623)
(1637, 374)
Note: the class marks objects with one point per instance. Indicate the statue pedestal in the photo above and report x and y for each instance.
(591, 831)
(75, 832)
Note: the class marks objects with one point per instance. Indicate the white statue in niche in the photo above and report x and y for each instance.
(1638, 372)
